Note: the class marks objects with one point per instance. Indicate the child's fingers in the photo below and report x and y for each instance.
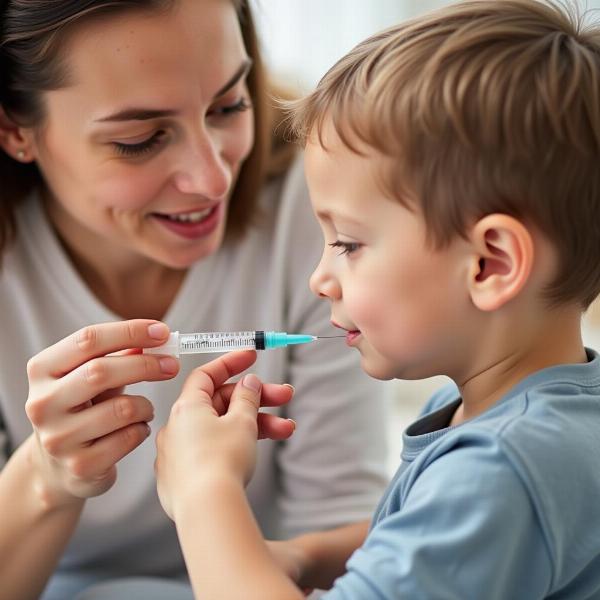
(273, 394)
(274, 428)
(206, 379)
(245, 399)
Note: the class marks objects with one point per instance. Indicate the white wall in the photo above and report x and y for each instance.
(303, 38)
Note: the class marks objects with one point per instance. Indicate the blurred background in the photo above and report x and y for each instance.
(301, 39)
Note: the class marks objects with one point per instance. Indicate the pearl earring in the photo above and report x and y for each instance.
(21, 154)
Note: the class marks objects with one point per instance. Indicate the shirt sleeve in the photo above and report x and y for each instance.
(466, 529)
(333, 469)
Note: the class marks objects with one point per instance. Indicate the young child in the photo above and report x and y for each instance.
(453, 163)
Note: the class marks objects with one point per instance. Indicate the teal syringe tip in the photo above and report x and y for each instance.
(279, 339)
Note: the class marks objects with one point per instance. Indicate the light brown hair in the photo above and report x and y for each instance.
(485, 106)
(31, 39)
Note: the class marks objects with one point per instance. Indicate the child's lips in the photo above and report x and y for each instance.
(351, 336)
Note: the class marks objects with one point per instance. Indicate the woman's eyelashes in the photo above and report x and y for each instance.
(346, 247)
(240, 106)
(157, 139)
(142, 147)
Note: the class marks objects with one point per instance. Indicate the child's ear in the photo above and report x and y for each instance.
(502, 259)
(14, 140)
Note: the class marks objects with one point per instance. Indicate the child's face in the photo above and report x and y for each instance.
(401, 302)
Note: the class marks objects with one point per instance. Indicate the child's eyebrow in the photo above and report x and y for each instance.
(338, 217)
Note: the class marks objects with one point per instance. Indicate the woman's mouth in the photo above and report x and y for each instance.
(191, 225)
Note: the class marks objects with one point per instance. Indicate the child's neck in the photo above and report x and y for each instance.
(514, 353)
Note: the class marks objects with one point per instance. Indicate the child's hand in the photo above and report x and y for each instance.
(213, 428)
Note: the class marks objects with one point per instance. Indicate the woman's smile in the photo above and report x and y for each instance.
(193, 224)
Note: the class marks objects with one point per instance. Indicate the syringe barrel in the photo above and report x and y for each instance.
(217, 341)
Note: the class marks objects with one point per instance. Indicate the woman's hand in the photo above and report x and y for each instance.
(214, 426)
(83, 423)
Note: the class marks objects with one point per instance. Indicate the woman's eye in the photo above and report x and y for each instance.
(241, 105)
(140, 147)
(346, 247)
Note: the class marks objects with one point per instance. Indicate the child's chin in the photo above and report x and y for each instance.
(377, 369)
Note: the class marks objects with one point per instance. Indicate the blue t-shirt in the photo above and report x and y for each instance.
(505, 506)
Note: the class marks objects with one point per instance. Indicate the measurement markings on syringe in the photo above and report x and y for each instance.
(217, 341)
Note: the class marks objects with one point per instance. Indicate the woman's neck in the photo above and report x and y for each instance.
(128, 284)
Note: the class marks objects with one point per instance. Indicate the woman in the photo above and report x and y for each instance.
(134, 191)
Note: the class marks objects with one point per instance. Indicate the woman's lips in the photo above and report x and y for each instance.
(191, 229)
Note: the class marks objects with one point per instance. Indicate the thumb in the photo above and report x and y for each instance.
(245, 398)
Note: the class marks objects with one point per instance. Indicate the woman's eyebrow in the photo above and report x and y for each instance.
(241, 72)
(145, 114)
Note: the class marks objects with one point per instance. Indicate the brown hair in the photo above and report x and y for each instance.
(30, 63)
(485, 106)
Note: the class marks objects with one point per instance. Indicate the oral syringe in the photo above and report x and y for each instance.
(226, 341)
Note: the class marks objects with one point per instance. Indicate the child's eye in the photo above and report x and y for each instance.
(346, 247)
(240, 106)
(140, 147)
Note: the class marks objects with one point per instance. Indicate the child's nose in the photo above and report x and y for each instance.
(324, 285)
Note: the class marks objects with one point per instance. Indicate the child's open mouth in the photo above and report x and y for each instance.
(351, 336)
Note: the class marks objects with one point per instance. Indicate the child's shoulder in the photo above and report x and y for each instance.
(523, 474)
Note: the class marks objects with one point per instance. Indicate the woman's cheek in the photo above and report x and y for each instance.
(129, 192)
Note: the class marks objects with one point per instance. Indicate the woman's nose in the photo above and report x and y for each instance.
(202, 170)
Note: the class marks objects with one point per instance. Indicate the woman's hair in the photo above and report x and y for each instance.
(483, 106)
(31, 40)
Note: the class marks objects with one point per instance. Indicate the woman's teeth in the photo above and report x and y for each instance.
(192, 217)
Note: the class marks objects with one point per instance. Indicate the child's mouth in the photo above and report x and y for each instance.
(351, 336)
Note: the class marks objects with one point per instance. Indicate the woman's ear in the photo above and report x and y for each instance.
(14, 140)
(502, 260)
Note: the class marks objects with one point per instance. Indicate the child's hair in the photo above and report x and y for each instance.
(484, 106)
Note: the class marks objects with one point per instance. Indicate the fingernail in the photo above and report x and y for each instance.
(252, 382)
(168, 364)
(291, 387)
(158, 331)
(148, 430)
(293, 423)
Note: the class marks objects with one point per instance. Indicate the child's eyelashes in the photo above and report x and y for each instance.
(345, 247)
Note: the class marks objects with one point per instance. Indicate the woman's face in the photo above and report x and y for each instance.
(141, 150)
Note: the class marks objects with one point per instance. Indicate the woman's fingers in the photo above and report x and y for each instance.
(91, 380)
(93, 341)
(98, 459)
(95, 422)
